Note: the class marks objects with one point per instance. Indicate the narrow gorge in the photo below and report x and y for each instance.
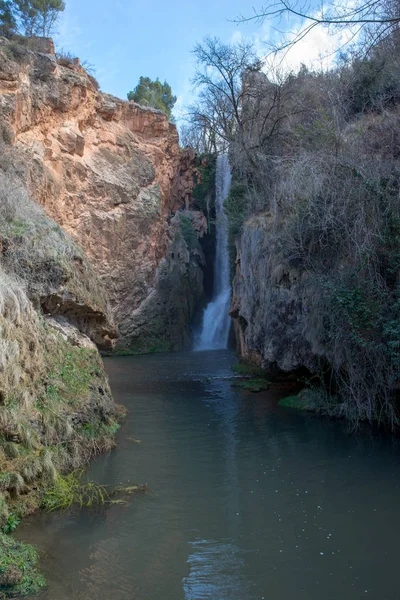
(199, 319)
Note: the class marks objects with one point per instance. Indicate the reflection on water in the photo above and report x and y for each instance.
(216, 570)
(248, 501)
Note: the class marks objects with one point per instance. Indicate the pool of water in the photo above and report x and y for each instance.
(247, 500)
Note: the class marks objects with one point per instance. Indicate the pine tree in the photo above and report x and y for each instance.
(154, 94)
(8, 23)
(29, 17)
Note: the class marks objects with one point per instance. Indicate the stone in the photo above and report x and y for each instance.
(112, 175)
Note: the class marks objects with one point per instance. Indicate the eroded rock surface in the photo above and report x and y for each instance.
(271, 305)
(111, 173)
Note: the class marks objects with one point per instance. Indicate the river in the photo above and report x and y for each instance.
(247, 500)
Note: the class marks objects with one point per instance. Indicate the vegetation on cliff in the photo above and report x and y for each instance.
(155, 94)
(56, 409)
(29, 17)
(314, 216)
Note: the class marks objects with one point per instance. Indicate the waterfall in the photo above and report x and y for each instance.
(216, 321)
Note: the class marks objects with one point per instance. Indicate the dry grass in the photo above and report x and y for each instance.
(55, 405)
(49, 390)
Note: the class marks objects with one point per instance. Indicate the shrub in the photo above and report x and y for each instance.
(204, 191)
(188, 232)
(316, 217)
(18, 568)
(73, 489)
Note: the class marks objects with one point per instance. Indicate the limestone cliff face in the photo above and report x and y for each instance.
(271, 306)
(112, 175)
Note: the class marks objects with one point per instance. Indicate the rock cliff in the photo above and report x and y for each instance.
(111, 174)
(271, 305)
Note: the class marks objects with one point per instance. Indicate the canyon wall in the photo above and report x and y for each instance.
(112, 175)
(271, 304)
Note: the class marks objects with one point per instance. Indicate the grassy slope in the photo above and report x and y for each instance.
(56, 410)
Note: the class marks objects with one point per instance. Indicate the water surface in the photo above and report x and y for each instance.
(248, 501)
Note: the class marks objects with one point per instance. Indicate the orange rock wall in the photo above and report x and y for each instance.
(111, 173)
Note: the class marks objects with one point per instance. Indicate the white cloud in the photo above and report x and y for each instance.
(317, 49)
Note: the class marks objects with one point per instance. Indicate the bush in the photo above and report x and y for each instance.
(188, 232)
(316, 217)
(18, 568)
(73, 489)
(204, 191)
(236, 208)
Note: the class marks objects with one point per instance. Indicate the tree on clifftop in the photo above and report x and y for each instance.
(154, 94)
(8, 23)
(39, 17)
(29, 17)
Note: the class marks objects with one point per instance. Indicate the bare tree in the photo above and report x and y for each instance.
(378, 17)
(219, 81)
(238, 106)
(197, 135)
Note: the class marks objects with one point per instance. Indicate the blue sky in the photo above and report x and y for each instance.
(125, 39)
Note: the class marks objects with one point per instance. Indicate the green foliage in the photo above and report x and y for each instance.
(188, 232)
(236, 209)
(30, 17)
(254, 378)
(38, 17)
(73, 489)
(298, 402)
(12, 523)
(8, 23)
(252, 385)
(69, 379)
(314, 398)
(155, 94)
(249, 369)
(18, 568)
(155, 346)
(206, 165)
(98, 429)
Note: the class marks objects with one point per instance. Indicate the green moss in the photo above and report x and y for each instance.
(189, 234)
(206, 165)
(252, 385)
(236, 210)
(254, 378)
(19, 575)
(249, 369)
(143, 346)
(69, 376)
(305, 400)
(98, 429)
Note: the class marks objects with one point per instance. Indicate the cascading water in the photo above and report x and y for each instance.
(216, 321)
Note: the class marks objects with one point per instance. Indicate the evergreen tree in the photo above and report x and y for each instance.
(29, 17)
(154, 94)
(48, 15)
(8, 23)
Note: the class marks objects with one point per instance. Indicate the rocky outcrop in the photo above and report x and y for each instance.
(111, 173)
(271, 305)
